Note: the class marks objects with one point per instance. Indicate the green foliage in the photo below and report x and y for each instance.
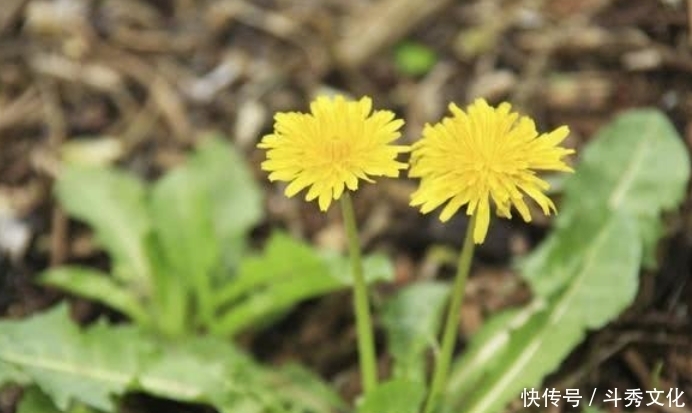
(636, 166)
(10, 374)
(587, 271)
(179, 258)
(114, 205)
(97, 366)
(285, 273)
(35, 401)
(67, 365)
(597, 289)
(412, 328)
(414, 59)
(98, 286)
(394, 396)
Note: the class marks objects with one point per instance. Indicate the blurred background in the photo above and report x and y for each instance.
(136, 83)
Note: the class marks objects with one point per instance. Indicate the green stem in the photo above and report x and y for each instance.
(366, 342)
(439, 381)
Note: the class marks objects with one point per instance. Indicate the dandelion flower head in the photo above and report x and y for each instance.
(485, 154)
(331, 148)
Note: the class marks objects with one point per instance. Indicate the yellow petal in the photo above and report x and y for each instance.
(482, 222)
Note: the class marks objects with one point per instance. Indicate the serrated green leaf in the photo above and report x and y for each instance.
(112, 203)
(70, 366)
(487, 347)
(96, 365)
(236, 199)
(35, 401)
(304, 389)
(283, 258)
(376, 268)
(180, 372)
(98, 286)
(180, 210)
(636, 165)
(277, 298)
(394, 396)
(12, 375)
(288, 272)
(412, 319)
(209, 370)
(181, 213)
(599, 287)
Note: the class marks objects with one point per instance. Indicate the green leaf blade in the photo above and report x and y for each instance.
(636, 165)
(97, 286)
(67, 365)
(235, 198)
(600, 287)
(286, 273)
(189, 251)
(412, 319)
(113, 204)
(394, 396)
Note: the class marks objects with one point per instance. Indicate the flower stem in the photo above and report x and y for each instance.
(439, 380)
(366, 342)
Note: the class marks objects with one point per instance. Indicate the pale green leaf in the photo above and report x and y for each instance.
(181, 213)
(599, 287)
(412, 319)
(636, 165)
(95, 366)
(236, 199)
(488, 345)
(70, 366)
(277, 297)
(113, 204)
(98, 286)
(394, 396)
(9, 374)
(171, 303)
(283, 258)
(209, 370)
(286, 273)
(35, 401)
(376, 268)
(183, 372)
(305, 389)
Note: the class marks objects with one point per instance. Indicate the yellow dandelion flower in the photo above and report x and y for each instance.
(332, 147)
(482, 154)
